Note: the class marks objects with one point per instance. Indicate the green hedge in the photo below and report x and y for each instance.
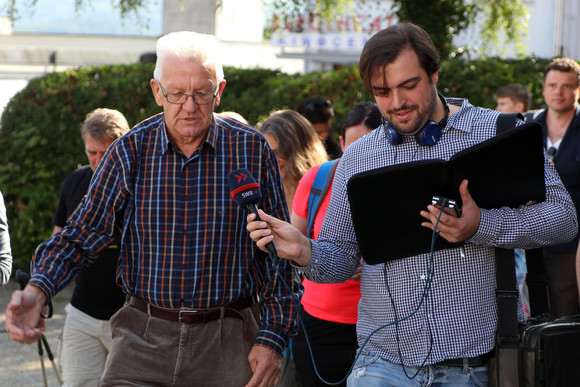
(478, 80)
(40, 142)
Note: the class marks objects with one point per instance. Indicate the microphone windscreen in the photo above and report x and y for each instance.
(244, 188)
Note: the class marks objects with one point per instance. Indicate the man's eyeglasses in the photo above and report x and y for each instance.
(181, 98)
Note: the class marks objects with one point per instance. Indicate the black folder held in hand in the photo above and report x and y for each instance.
(504, 171)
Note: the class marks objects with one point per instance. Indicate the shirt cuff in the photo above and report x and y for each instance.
(489, 226)
(43, 283)
(273, 338)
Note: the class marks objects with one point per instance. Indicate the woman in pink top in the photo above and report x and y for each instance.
(329, 311)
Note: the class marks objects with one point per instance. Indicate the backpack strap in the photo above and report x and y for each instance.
(529, 116)
(536, 276)
(506, 291)
(507, 354)
(506, 121)
(320, 187)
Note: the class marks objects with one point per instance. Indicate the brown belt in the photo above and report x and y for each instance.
(190, 316)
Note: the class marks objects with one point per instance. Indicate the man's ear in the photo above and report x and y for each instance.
(219, 94)
(435, 77)
(156, 92)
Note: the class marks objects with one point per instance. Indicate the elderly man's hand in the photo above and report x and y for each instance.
(266, 365)
(23, 321)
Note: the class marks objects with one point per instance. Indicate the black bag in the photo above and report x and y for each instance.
(550, 351)
(541, 352)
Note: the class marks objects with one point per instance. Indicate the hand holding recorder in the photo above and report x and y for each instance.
(456, 224)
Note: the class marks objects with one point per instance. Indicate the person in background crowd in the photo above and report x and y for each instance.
(296, 146)
(319, 112)
(513, 98)
(5, 250)
(86, 336)
(204, 304)
(328, 311)
(423, 319)
(561, 128)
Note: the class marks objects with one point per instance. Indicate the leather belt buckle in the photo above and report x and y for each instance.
(185, 311)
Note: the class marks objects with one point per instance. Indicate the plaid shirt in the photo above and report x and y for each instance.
(183, 238)
(458, 315)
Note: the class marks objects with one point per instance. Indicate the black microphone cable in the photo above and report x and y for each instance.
(434, 235)
(417, 308)
(246, 193)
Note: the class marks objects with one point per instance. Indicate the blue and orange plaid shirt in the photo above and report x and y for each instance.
(184, 242)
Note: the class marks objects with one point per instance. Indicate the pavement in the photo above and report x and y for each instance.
(20, 364)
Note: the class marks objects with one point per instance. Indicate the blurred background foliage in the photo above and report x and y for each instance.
(40, 141)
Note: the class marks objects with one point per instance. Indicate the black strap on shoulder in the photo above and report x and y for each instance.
(505, 268)
(507, 339)
(506, 292)
(506, 121)
(536, 272)
(529, 116)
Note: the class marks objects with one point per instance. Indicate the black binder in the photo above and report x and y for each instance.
(506, 170)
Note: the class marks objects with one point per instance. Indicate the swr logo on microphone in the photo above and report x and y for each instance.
(249, 193)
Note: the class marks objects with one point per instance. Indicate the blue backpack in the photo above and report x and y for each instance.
(320, 187)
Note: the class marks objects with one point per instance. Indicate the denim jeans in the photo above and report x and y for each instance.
(372, 371)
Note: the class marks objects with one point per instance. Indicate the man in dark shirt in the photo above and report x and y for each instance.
(86, 337)
(561, 128)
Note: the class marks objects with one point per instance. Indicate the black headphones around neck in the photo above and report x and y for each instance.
(428, 135)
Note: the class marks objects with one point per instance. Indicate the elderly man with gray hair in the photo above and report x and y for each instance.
(204, 305)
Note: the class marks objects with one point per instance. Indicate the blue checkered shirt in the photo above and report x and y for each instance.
(458, 316)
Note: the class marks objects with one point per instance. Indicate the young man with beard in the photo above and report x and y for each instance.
(444, 341)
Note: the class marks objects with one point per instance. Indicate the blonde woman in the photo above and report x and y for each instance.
(297, 148)
(296, 145)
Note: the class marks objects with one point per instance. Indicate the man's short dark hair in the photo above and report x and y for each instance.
(386, 45)
(316, 109)
(516, 92)
(565, 65)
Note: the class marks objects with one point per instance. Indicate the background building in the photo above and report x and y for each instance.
(52, 38)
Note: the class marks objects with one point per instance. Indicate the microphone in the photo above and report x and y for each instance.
(246, 192)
